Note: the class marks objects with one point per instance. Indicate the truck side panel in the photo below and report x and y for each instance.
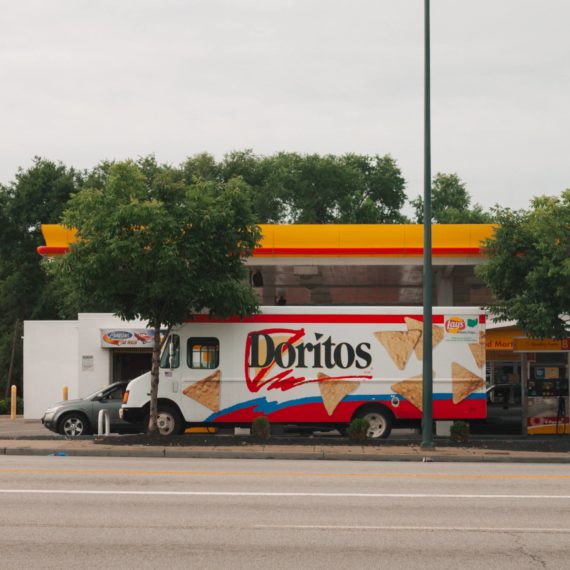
(320, 368)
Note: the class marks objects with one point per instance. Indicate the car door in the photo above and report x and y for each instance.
(111, 401)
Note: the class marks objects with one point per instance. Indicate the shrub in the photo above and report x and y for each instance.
(261, 429)
(5, 406)
(358, 429)
(459, 431)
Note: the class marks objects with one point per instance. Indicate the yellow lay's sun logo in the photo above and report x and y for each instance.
(454, 325)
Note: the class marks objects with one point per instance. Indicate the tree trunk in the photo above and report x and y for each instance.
(152, 427)
(12, 358)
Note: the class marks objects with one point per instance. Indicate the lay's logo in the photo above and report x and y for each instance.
(455, 325)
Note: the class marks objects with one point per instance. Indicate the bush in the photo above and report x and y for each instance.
(5, 406)
(261, 429)
(459, 431)
(358, 429)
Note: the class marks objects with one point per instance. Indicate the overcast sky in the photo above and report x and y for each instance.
(84, 81)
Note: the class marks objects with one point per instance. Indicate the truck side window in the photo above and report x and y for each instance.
(203, 352)
(173, 339)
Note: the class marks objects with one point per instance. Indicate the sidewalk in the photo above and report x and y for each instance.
(89, 447)
(34, 441)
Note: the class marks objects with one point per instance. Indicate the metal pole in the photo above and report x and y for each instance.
(13, 402)
(524, 393)
(427, 387)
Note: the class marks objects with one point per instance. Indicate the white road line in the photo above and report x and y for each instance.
(275, 494)
(418, 528)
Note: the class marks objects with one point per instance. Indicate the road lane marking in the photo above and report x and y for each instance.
(131, 472)
(416, 528)
(277, 495)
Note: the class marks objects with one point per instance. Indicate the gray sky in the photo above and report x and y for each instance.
(84, 81)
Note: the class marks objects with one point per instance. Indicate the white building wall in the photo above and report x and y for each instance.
(66, 353)
(50, 362)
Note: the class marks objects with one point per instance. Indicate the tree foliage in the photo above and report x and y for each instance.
(451, 203)
(37, 196)
(528, 269)
(151, 246)
(309, 188)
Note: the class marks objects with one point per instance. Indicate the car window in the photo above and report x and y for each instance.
(116, 394)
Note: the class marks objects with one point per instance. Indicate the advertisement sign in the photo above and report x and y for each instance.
(128, 338)
(461, 328)
(547, 416)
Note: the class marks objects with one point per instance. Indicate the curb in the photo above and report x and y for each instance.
(295, 456)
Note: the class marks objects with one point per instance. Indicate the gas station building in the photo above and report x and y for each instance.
(307, 265)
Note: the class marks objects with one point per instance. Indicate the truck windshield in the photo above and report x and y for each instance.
(171, 353)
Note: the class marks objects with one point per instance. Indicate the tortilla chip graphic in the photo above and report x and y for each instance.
(478, 350)
(333, 391)
(437, 334)
(464, 382)
(411, 389)
(206, 391)
(399, 345)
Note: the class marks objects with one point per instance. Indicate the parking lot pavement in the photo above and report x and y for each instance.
(21, 427)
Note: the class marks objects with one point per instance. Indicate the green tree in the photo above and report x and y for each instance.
(352, 188)
(152, 247)
(528, 268)
(37, 195)
(451, 203)
(310, 188)
(202, 166)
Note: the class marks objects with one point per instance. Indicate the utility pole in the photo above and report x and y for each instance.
(427, 379)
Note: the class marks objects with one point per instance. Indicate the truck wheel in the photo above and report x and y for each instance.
(380, 422)
(168, 421)
(74, 425)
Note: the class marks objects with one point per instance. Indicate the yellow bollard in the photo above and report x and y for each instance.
(65, 393)
(13, 403)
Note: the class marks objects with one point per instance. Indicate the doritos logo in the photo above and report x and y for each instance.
(271, 356)
(454, 325)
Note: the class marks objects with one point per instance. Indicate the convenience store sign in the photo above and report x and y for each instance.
(541, 344)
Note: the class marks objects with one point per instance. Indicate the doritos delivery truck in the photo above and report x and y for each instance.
(315, 367)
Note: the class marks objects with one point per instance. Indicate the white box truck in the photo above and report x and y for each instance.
(316, 366)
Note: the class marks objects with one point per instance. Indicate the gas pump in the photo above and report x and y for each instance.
(548, 400)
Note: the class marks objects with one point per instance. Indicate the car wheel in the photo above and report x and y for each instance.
(168, 422)
(380, 423)
(74, 425)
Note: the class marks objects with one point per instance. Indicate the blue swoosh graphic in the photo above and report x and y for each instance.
(262, 405)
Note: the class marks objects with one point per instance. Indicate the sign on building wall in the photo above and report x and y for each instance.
(128, 338)
(87, 362)
(540, 345)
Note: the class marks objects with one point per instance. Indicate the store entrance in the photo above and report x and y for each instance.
(504, 398)
(129, 364)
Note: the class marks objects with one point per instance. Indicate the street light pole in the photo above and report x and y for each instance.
(427, 380)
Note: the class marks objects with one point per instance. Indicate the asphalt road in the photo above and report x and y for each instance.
(182, 513)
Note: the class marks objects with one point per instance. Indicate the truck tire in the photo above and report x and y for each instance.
(380, 421)
(169, 421)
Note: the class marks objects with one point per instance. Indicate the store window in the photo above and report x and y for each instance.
(203, 352)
